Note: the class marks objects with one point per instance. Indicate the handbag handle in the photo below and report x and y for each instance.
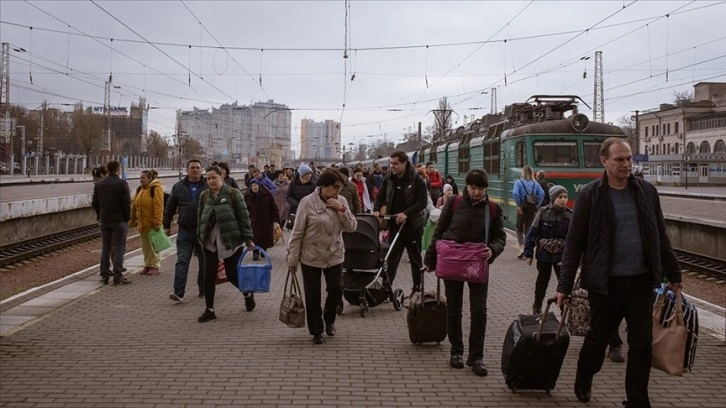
(294, 287)
(259, 248)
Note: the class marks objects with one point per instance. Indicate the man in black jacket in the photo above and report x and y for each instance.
(618, 232)
(184, 197)
(112, 204)
(404, 194)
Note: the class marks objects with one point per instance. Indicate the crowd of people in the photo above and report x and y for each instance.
(614, 234)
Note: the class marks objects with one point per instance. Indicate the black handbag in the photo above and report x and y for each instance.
(292, 307)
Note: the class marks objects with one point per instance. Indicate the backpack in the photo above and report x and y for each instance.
(151, 192)
(529, 204)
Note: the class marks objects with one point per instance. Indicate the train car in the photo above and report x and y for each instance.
(536, 133)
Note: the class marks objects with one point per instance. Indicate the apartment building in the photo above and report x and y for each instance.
(319, 140)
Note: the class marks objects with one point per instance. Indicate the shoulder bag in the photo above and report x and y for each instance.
(669, 337)
(463, 261)
(292, 307)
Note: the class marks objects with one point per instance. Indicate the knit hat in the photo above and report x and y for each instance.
(555, 191)
(254, 181)
(304, 169)
(448, 187)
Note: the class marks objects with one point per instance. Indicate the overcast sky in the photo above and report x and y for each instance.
(650, 49)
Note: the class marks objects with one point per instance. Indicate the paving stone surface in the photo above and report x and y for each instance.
(130, 346)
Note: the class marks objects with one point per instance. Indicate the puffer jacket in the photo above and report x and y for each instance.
(591, 237)
(232, 217)
(467, 225)
(317, 237)
(416, 196)
(548, 230)
(350, 192)
(148, 213)
(297, 191)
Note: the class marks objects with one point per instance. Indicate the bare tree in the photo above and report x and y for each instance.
(87, 131)
(190, 148)
(157, 146)
(442, 116)
(682, 98)
(627, 123)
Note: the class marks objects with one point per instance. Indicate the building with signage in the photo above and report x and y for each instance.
(686, 143)
(257, 134)
(128, 127)
(319, 140)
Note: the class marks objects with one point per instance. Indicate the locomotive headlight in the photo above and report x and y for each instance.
(579, 122)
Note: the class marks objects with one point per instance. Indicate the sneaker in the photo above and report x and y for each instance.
(207, 316)
(121, 281)
(479, 368)
(250, 302)
(616, 354)
(456, 361)
(521, 255)
(176, 297)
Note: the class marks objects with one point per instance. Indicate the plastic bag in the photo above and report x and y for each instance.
(159, 240)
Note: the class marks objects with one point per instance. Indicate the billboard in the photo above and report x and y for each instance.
(114, 110)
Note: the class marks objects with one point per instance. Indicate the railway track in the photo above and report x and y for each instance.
(713, 267)
(24, 250)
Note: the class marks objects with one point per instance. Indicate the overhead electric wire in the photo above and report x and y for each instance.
(160, 50)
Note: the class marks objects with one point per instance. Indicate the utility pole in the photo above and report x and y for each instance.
(107, 112)
(598, 107)
(5, 105)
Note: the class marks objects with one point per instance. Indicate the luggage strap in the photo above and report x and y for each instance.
(544, 318)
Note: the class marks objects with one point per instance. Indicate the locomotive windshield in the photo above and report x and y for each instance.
(554, 154)
(592, 154)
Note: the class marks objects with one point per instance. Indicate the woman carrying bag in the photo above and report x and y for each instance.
(223, 229)
(464, 220)
(147, 213)
(316, 243)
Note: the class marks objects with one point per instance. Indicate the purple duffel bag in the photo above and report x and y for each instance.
(461, 261)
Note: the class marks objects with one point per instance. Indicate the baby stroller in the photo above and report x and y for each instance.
(365, 279)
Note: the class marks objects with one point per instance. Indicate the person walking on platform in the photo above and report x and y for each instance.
(300, 187)
(184, 198)
(316, 243)
(528, 196)
(228, 180)
(436, 182)
(282, 184)
(263, 215)
(404, 195)
(547, 234)
(618, 232)
(361, 185)
(223, 229)
(112, 203)
(545, 187)
(463, 219)
(350, 192)
(147, 214)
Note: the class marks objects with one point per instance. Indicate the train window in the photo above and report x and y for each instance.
(553, 154)
(520, 154)
(494, 152)
(592, 154)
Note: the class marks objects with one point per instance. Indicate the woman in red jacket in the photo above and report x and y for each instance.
(436, 182)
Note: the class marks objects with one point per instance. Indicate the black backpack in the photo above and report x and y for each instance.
(529, 203)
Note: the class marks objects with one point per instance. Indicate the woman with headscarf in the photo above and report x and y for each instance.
(263, 215)
(450, 180)
(147, 213)
(223, 228)
(316, 243)
(302, 186)
(282, 184)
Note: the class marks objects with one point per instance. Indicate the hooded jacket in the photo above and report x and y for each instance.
(146, 212)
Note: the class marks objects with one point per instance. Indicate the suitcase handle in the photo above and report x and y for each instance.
(438, 285)
(566, 309)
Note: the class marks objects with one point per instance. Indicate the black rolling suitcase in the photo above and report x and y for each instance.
(426, 318)
(534, 350)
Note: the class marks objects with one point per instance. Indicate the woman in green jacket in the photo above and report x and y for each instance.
(223, 229)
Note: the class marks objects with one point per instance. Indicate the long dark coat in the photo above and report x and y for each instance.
(263, 215)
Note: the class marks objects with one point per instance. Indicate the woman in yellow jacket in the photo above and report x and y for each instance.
(147, 209)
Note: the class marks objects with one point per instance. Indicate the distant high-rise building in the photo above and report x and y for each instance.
(319, 140)
(257, 134)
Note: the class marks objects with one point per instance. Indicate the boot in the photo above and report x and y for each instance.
(615, 353)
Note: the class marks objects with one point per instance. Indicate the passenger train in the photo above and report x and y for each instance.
(546, 132)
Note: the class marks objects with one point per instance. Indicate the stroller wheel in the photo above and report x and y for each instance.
(339, 309)
(363, 309)
(397, 299)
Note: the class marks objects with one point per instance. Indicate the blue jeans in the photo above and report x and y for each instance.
(186, 245)
(113, 234)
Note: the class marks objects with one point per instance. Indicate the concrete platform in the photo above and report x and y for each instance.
(87, 345)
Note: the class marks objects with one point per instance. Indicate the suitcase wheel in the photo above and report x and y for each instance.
(398, 299)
